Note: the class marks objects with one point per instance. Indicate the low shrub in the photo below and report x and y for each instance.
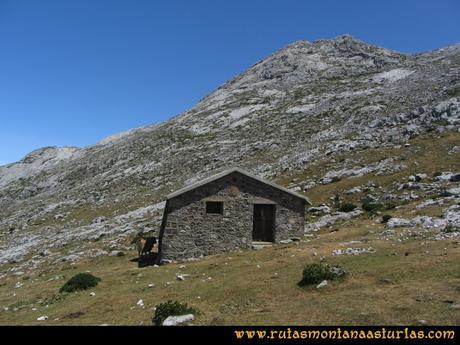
(316, 273)
(347, 207)
(163, 310)
(386, 218)
(370, 205)
(81, 281)
(373, 207)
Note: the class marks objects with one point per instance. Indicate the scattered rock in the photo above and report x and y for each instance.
(42, 318)
(322, 284)
(447, 176)
(177, 320)
(319, 210)
(331, 219)
(181, 277)
(353, 251)
(99, 220)
(398, 222)
(116, 253)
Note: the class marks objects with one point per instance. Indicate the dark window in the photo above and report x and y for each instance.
(216, 207)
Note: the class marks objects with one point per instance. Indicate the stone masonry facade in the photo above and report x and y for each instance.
(191, 232)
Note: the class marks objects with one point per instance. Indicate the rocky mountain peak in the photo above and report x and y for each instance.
(304, 110)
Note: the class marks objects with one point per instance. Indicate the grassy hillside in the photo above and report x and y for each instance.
(410, 276)
(401, 283)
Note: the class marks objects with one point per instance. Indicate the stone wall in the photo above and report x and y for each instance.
(191, 232)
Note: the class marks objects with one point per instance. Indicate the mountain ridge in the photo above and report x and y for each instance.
(302, 105)
(344, 37)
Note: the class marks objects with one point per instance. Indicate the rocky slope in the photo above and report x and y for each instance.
(306, 103)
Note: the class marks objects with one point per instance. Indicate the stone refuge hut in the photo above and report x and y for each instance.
(230, 210)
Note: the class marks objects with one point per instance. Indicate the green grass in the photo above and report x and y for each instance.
(260, 287)
(219, 286)
(80, 281)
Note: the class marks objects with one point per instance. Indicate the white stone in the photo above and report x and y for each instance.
(398, 223)
(322, 284)
(181, 277)
(42, 318)
(177, 320)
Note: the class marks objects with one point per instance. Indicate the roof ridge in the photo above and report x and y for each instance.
(227, 172)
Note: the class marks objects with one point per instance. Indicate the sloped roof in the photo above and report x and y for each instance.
(227, 172)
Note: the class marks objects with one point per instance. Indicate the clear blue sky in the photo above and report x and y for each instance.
(73, 72)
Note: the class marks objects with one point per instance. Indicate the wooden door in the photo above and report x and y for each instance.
(263, 223)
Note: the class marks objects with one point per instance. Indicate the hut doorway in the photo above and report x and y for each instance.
(263, 223)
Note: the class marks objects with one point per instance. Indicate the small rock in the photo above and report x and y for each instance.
(177, 320)
(42, 318)
(99, 220)
(116, 253)
(321, 209)
(421, 176)
(92, 294)
(322, 284)
(398, 223)
(140, 303)
(422, 322)
(151, 285)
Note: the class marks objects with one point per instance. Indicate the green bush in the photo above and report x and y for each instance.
(81, 281)
(316, 273)
(347, 207)
(163, 310)
(386, 218)
(370, 205)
